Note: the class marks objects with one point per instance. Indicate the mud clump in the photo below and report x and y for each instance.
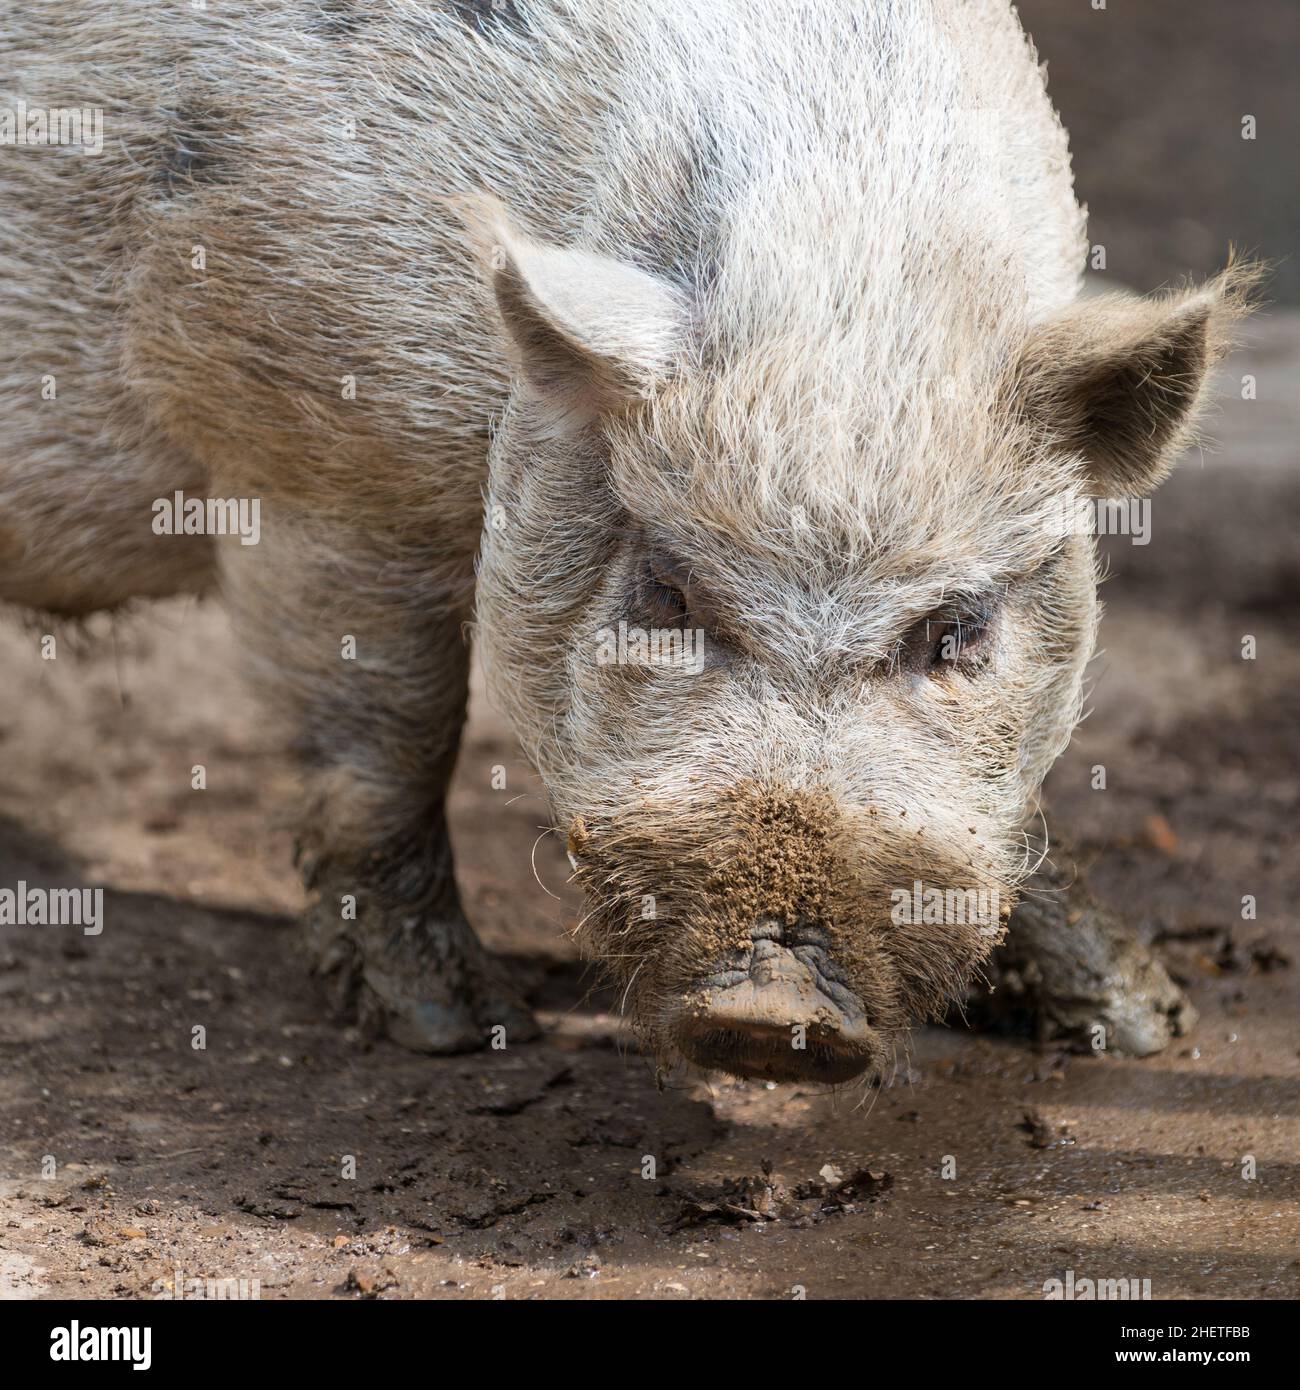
(781, 861)
(1044, 1133)
(764, 1197)
(838, 1193)
(369, 1283)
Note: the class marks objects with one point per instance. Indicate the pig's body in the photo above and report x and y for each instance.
(820, 236)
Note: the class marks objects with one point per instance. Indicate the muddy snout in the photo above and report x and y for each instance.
(778, 1011)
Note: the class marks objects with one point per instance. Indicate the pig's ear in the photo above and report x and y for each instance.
(591, 336)
(1119, 380)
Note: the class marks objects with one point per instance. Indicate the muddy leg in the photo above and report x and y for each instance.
(1074, 971)
(408, 964)
(363, 648)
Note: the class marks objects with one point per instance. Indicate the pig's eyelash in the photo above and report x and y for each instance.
(663, 593)
(950, 637)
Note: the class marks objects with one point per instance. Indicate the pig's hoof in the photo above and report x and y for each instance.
(425, 983)
(1075, 973)
(418, 1014)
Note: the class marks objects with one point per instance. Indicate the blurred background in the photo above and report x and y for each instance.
(1153, 93)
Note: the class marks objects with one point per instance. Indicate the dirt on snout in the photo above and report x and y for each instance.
(176, 1108)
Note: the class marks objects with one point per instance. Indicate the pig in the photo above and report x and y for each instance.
(754, 329)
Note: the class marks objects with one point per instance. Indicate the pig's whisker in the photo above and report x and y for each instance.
(532, 859)
(622, 1004)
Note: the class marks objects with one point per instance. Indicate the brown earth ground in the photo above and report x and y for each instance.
(519, 1174)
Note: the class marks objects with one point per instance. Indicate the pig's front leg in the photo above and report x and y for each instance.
(1077, 973)
(394, 949)
(361, 646)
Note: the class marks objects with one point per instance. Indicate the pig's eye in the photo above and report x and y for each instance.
(945, 639)
(664, 596)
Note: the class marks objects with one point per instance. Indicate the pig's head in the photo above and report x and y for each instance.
(786, 617)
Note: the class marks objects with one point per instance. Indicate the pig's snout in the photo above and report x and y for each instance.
(777, 1012)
